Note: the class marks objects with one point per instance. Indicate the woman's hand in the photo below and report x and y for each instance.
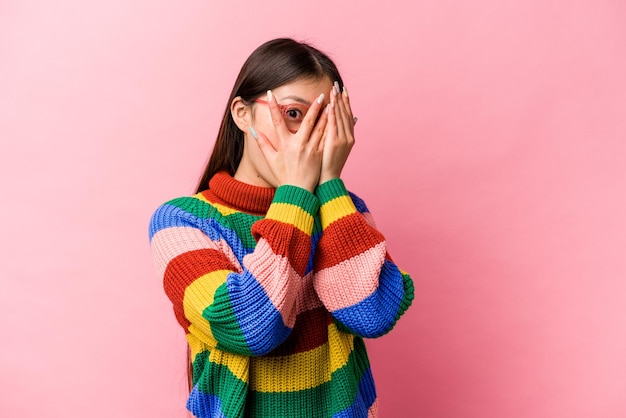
(295, 159)
(338, 136)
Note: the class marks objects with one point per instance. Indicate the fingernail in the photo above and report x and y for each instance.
(321, 98)
(269, 95)
(336, 87)
(253, 132)
(345, 91)
(327, 108)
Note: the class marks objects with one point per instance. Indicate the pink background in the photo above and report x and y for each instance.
(491, 150)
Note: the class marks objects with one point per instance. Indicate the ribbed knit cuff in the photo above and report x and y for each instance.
(294, 205)
(331, 189)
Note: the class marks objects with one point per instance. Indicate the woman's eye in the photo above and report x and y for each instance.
(294, 114)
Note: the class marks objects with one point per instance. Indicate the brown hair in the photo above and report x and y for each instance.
(271, 65)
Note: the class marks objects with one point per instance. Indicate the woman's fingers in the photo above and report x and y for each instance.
(277, 116)
(309, 121)
(340, 112)
(317, 136)
(331, 124)
(338, 137)
(266, 147)
(346, 102)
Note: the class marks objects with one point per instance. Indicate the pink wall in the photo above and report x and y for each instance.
(491, 148)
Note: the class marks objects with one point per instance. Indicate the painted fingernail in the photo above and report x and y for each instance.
(355, 120)
(327, 108)
(253, 132)
(321, 98)
(345, 91)
(269, 95)
(336, 87)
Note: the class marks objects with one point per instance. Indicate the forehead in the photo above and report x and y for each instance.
(307, 89)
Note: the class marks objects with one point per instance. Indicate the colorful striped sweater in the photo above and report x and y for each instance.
(275, 289)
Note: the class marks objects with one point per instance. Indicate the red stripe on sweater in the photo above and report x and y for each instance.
(184, 269)
(310, 331)
(343, 239)
(285, 240)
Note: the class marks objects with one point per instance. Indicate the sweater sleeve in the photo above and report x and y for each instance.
(355, 278)
(230, 298)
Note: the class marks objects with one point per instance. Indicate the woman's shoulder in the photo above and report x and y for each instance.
(195, 204)
(179, 211)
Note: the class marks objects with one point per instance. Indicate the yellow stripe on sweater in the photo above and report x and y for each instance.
(199, 295)
(223, 210)
(302, 371)
(336, 209)
(238, 365)
(291, 214)
(196, 345)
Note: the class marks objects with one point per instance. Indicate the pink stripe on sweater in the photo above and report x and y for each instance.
(349, 282)
(174, 241)
(277, 277)
(307, 298)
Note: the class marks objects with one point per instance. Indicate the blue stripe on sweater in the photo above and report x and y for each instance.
(376, 314)
(168, 216)
(359, 204)
(204, 405)
(259, 320)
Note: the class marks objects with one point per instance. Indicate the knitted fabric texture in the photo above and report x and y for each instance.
(276, 289)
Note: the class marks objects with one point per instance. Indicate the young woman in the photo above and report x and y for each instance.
(275, 271)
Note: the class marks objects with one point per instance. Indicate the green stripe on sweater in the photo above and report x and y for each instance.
(224, 325)
(297, 196)
(330, 190)
(218, 380)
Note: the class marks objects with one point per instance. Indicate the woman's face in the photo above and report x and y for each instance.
(294, 100)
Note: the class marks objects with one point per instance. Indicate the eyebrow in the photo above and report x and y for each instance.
(297, 99)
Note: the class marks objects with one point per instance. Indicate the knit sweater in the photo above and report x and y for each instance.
(276, 289)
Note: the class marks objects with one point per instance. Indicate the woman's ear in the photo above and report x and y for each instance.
(241, 113)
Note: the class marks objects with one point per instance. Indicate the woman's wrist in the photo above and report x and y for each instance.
(327, 177)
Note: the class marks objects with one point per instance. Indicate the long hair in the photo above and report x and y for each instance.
(276, 62)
